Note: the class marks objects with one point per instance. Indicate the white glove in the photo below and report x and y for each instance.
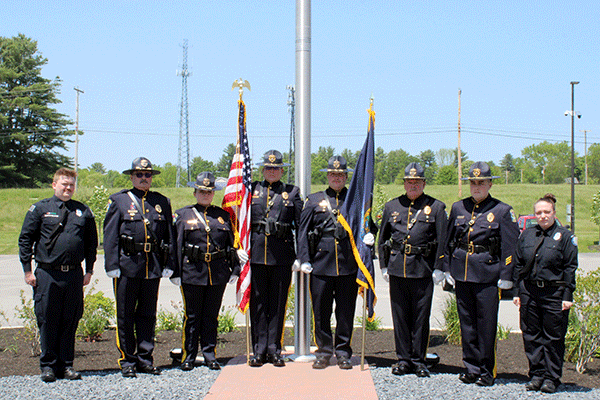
(233, 279)
(306, 268)
(167, 273)
(176, 281)
(449, 279)
(438, 276)
(115, 273)
(369, 239)
(243, 256)
(296, 266)
(505, 285)
(384, 273)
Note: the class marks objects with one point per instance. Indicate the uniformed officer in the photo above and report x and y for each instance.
(546, 261)
(276, 209)
(325, 252)
(482, 235)
(59, 233)
(138, 232)
(206, 261)
(413, 225)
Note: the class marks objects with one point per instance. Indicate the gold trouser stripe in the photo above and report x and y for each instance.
(185, 320)
(117, 330)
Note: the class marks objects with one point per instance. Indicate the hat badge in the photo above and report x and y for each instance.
(144, 162)
(413, 172)
(206, 182)
(476, 172)
(272, 158)
(336, 164)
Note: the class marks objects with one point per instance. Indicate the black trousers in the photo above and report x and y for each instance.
(411, 307)
(202, 304)
(58, 304)
(270, 285)
(477, 305)
(323, 291)
(544, 326)
(136, 300)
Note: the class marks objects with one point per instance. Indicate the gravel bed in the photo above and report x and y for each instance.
(176, 384)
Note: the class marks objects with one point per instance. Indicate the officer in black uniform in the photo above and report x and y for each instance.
(546, 262)
(276, 209)
(482, 235)
(138, 232)
(206, 261)
(412, 227)
(59, 233)
(325, 252)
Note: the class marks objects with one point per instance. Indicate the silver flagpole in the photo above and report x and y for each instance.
(302, 174)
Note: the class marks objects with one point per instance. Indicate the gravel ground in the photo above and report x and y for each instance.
(176, 384)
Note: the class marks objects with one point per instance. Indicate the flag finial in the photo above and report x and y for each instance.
(241, 85)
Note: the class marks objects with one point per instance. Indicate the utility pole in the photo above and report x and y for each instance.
(291, 108)
(184, 124)
(585, 131)
(458, 154)
(77, 132)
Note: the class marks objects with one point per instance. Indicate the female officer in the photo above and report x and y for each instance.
(206, 261)
(546, 259)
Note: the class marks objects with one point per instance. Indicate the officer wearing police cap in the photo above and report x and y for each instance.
(206, 261)
(482, 235)
(276, 209)
(138, 232)
(413, 225)
(325, 252)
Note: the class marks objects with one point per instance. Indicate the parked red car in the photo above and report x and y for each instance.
(527, 221)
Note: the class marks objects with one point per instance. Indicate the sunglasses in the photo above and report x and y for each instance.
(143, 174)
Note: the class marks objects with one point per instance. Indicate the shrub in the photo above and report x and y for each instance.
(290, 307)
(374, 325)
(30, 333)
(452, 323)
(502, 332)
(170, 321)
(98, 313)
(227, 321)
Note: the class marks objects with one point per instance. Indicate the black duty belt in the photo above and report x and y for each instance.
(273, 228)
(474, 248)
(146, 247)
(194, 254)
(407, 248)
(59, 267)
(542, 284)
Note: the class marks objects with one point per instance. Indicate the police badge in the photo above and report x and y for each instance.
(158, 208)
(490, 217)
(285, 195)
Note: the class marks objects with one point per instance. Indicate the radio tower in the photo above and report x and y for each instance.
(184, 123)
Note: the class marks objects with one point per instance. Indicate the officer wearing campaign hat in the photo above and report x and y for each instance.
(325, 252)
(478, 260)
(276, 209)
(206, 262)
(413, 229)
(138, 233)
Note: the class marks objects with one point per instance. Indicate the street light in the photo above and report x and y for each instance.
(572, 113)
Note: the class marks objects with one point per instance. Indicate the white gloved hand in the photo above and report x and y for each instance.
(167, 273)
(449, 279)
(233, 279)
(243, 256)
(384, 273)
(296, 266)
(438, 276)
(306, 268)
(115, 273)
(369, 239)
(505, 285)
(176, 281)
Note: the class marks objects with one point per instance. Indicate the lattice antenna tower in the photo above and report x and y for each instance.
(184, 123)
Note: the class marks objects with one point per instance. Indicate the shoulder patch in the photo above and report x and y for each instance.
(513, 217)
(175, 215)
(574, 240)
(557, 236)
(32, 208)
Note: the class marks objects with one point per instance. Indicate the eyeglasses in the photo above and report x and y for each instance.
(272, 168)
(143, 174)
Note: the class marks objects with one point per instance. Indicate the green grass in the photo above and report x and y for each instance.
(15, 202)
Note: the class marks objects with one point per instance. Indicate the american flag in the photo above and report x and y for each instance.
(237, 201)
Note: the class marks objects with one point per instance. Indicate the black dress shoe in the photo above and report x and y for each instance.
(548, 386)
(485, 380)
(276, 360)
(320, 363)
(149, 369)
(400, 369)
(128, 372)
(187, 366)
(534, 384)
(71, 374)
(344, 363)
(422, 372)
(468, 377)
(257, 360)
(47, 375)
(214, 365)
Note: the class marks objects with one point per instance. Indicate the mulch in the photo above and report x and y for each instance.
(16, 357)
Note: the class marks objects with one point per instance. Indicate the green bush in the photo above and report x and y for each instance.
(374, 325)
(502, 332)
(227, 320)
(170, 321)
(290, 307)
(30, 333)
(452, 323)
(98, 313)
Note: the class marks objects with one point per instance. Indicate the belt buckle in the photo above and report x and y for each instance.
(65, 268)
(147, 247)
(207, 257)
(407, 248)
(470, 248)
(540, 284)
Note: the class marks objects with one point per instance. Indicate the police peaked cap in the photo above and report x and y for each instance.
(141, 164)
(273, 158)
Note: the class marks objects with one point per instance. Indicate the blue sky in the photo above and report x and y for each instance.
(513, 61)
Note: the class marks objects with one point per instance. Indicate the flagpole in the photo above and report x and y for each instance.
(364, 328)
